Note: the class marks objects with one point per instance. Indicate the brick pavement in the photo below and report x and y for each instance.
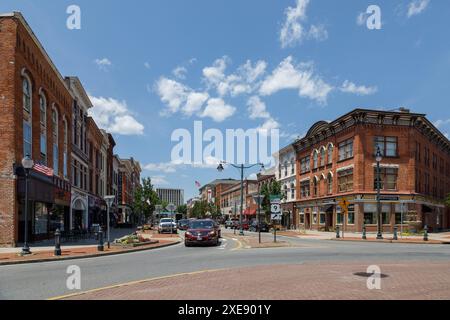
(312, 281)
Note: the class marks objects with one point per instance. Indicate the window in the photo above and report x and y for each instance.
(55, 141)
(388, 146)
(345, 180)
(388, 178)
(351, 214)
(43, 135)
(330, 153)
(26, 90)
(330, 183)
(302, 217)
(346, 150)
(65, 173)
(305, 189)
(40, 218)
(315, 187)
(305, 165)
(27, 138)
(386, 214)
(339, 216)
(322, 156)
(285, 169)
(292, 167)
(292, 191)
(417, 152)
(43, 110)
(322, 218)
(315, 159)
(427, 156)
(370, 213)
(400, 213)
(434, 159)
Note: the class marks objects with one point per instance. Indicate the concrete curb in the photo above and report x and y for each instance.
(439, 242)
(96, 255)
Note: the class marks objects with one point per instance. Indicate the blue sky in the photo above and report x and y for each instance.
(155, 66)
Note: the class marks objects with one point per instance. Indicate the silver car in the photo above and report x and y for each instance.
(167, 225)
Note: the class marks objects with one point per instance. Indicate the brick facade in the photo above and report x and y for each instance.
(348, 170)
(22, 57)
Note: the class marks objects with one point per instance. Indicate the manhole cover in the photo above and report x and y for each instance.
(367, 275)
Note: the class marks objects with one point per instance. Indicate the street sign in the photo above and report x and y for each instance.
(275, 208)
(276, 216)
(275, 199)
(344, 203)
(171, 207)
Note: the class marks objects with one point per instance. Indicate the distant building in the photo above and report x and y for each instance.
(175, 196)
(128, 182)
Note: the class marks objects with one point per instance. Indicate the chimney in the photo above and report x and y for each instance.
(404, 110)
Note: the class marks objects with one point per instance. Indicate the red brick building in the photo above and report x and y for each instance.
(337, 160)
(129, 180)
(36, 108)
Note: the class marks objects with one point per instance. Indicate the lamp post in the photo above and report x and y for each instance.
(109, 201)
(241, 167)
(378, 158)
(27, 164)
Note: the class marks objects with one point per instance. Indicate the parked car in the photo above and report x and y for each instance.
(230, 223)
(201, 232)
(183, 224)
(167, 225)
(255, 228)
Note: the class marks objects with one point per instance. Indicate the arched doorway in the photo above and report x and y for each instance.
(78, 219)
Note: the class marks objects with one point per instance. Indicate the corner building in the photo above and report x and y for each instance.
(336, 161)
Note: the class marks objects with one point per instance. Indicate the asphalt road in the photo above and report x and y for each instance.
(47, 280)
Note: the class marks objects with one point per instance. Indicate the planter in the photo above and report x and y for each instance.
(135, 245)
(414, 226)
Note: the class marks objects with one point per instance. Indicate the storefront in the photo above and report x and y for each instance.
(48, 206)
(79, 213)
(97, 211)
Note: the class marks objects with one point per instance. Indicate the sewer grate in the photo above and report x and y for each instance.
(367, 275)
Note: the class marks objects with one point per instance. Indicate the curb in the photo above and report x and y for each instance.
(393, 241)
(96, 255)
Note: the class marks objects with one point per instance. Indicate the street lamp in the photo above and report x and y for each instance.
(378, 158)
(109, 202)
(221, 168)
(27, 164)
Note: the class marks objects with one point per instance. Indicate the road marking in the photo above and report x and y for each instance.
(133, 283)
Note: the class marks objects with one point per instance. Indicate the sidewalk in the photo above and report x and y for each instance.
(433, 238)
(44, 253)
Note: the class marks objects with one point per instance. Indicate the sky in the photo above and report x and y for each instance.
(154, 67)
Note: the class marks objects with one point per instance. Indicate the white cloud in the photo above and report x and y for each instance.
(180, 72)
(103, 64)
(114, 116)
(294, 30)
(194, 102)
(218, 110)
(417, 7)
(300, 77)
(167, 167)
(257, 108)
(172, 93)
(350, 87)
(159, 180)
(216, 73)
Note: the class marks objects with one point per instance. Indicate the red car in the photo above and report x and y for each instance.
(201, 232)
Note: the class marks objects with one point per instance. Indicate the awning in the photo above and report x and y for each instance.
(250, 212)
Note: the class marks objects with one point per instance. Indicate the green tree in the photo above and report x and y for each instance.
(182, 209)
(268, 189)
(145, 199)
(447, 200)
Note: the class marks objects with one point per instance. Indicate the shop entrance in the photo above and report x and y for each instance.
(78, 215)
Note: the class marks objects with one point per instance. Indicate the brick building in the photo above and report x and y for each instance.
(337, 160)
(212, 191)
(36, 108)
(230, 204)
(129, 181)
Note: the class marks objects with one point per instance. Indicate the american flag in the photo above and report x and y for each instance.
(198, 184)
(43, 169)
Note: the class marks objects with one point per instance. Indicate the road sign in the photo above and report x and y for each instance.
(344, 203)
(275, 199)
(276, 216)
(171, 207)
(275, 208)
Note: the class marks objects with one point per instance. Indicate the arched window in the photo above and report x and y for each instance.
(330, 183)
(65, 149)
(315, 159)
(292, 166)
(315, 186)
(330, 153)
(285, 191)
(285, 168)
(27, 116)
(43, 121)
(55, 141)
(322, 156)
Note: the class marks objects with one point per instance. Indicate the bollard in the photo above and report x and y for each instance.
(364, 235)
(338, 233)
(425, 234)
(57, 243)
(395, 233)
(100, 246)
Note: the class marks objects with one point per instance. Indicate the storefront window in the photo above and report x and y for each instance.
(40, 218)
(314, 218)
(322, 218)
(302, 218)
(370, 216)
(351, 214)
(398, 213)
(386, 213)
(57, 218)
(339, 218)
